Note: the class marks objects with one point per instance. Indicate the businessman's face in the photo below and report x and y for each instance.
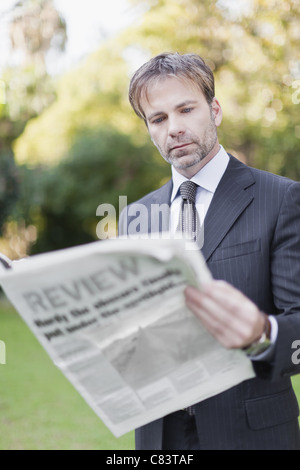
(181, 123)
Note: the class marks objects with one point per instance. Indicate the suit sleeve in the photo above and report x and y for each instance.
(285, 277)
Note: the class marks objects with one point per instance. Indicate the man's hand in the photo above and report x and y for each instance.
(226, 313)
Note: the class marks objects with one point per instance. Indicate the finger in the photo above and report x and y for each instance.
(219, 323)
(228, 299)
(226, 313)
(215, 306)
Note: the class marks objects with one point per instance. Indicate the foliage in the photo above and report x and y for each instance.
(85, 149)
(69, 153)
(253, 49)
(63, 200)
(255, 57)
(35, 27)
(25, 89)
(8, 186)
(90, 96)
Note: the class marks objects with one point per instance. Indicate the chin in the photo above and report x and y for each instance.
(185, 162)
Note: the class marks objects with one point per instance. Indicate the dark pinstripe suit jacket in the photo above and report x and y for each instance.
(251, 240)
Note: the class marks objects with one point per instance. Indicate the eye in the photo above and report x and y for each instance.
(158, 120)
(187, 110)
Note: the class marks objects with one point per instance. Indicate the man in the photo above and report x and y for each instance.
(252, 248)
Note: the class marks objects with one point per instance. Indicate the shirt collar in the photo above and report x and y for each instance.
(208, 177)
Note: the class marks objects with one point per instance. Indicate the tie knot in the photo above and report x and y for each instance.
(188, 191)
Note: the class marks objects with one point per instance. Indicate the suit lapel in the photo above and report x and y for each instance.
(163, 194)
(230, 200)
(159, 213)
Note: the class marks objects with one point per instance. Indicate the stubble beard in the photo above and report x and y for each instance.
(181, 158)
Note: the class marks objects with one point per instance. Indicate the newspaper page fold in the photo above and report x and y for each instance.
(112, 317)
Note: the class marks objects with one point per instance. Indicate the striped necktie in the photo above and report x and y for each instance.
(189, 225)
(188, 219)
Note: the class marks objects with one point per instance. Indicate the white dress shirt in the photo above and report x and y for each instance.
(207, 180)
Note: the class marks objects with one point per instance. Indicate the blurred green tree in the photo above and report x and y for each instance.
(25, 86)
(65, 197)
(36, 26)
(25, 89)
(253, 49)
(85, 149)
(9, 186)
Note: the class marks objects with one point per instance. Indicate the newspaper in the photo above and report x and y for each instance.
(112, 317)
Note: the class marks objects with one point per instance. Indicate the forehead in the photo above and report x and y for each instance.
(168, 91)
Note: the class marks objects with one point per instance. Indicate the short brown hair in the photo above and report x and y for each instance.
(186, 66)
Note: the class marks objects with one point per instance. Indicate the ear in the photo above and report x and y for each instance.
(217, 112)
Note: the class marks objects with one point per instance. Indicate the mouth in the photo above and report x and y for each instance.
(181, 146)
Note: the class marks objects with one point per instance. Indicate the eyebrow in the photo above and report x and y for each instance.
(180, 105)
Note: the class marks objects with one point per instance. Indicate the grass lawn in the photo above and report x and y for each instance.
(39, 408)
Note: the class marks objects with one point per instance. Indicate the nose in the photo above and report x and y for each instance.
(176, 127)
